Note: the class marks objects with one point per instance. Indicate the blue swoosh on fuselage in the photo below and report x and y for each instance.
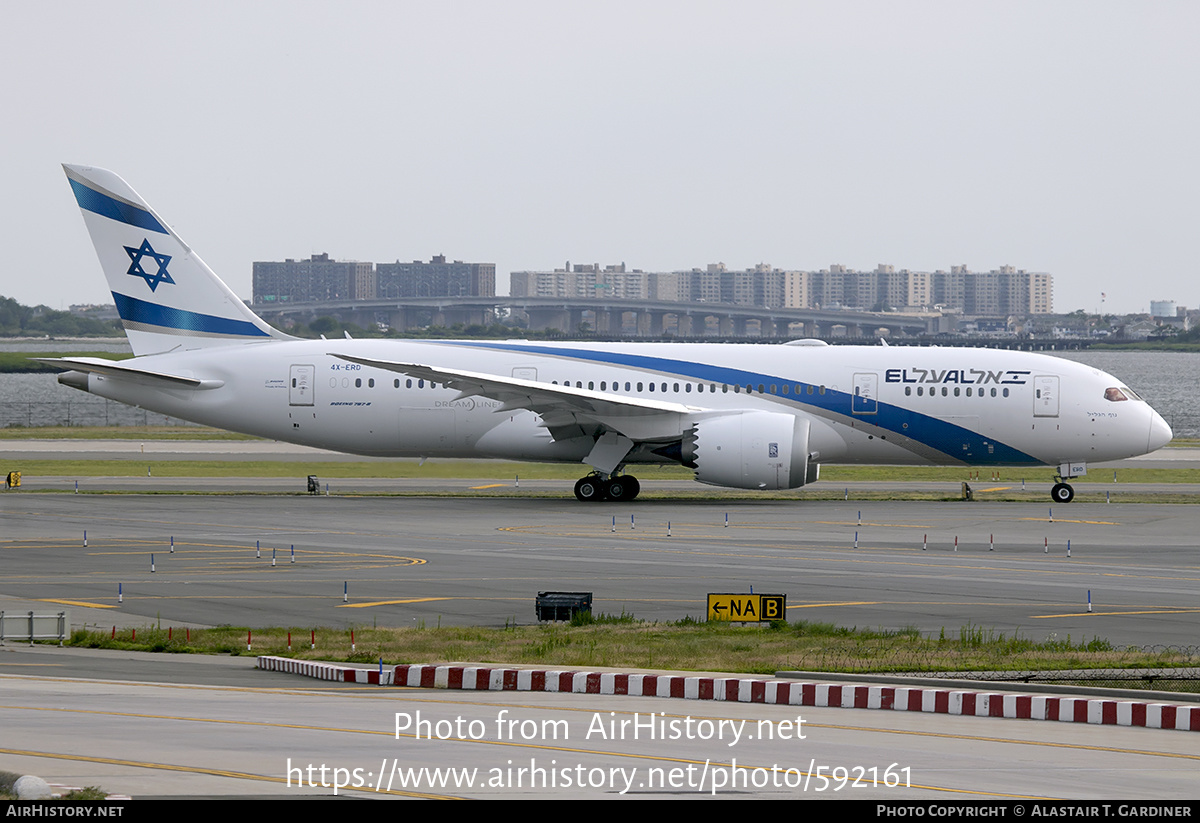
(940, 435)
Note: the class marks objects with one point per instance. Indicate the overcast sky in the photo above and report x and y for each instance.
(1058, 137)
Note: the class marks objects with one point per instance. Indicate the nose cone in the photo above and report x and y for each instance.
(1160, 432)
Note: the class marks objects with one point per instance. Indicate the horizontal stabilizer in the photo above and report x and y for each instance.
(117, 368)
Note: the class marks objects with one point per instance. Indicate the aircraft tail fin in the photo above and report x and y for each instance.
(168, 299)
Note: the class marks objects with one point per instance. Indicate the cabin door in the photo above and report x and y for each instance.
(866, 388)
(1045, 396)
(300, 388)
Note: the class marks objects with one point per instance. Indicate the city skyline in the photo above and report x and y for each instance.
(1054, 138)
(1004, 291)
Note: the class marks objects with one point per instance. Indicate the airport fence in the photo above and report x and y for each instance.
(29, 626)
(1183, 422)
(96, 411)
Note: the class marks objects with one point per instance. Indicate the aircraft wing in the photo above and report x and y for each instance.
(122, 369)
(565, 410)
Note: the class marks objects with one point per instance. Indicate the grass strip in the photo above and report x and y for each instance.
(622, 641)
(119, 433)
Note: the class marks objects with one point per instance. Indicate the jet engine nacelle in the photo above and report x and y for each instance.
(751, 450)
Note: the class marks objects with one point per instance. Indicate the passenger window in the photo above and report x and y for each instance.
(371, 383)
(639, 386)
(358, 382)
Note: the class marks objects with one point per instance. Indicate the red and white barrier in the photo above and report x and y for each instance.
(326, 671)
(1103, 711)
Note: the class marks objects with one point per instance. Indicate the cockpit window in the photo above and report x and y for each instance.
(1114, 394)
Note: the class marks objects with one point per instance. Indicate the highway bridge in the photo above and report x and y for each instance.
(608, 317)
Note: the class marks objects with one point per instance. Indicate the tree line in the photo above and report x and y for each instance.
(42, 321)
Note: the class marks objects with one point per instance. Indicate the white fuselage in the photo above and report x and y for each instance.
(865, 404)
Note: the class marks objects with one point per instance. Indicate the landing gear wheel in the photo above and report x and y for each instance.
(632, 486)
(617, 488)
(1062, 493)
(589, 489)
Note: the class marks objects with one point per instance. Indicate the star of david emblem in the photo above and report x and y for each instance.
(147, 251)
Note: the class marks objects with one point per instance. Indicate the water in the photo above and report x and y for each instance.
(39, 400)
(1169, 381)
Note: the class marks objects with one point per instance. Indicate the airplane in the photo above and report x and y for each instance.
(747, 416)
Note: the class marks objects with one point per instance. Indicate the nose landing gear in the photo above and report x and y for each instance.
(1062, 492)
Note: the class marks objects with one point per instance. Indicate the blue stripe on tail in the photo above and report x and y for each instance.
(114, 209)
(133, 310)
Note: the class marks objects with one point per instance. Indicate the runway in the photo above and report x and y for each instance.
(404, 561)
(1015, 483)
(114, 719)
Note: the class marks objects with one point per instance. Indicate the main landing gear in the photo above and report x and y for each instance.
(597, 487)
(1062, 492)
